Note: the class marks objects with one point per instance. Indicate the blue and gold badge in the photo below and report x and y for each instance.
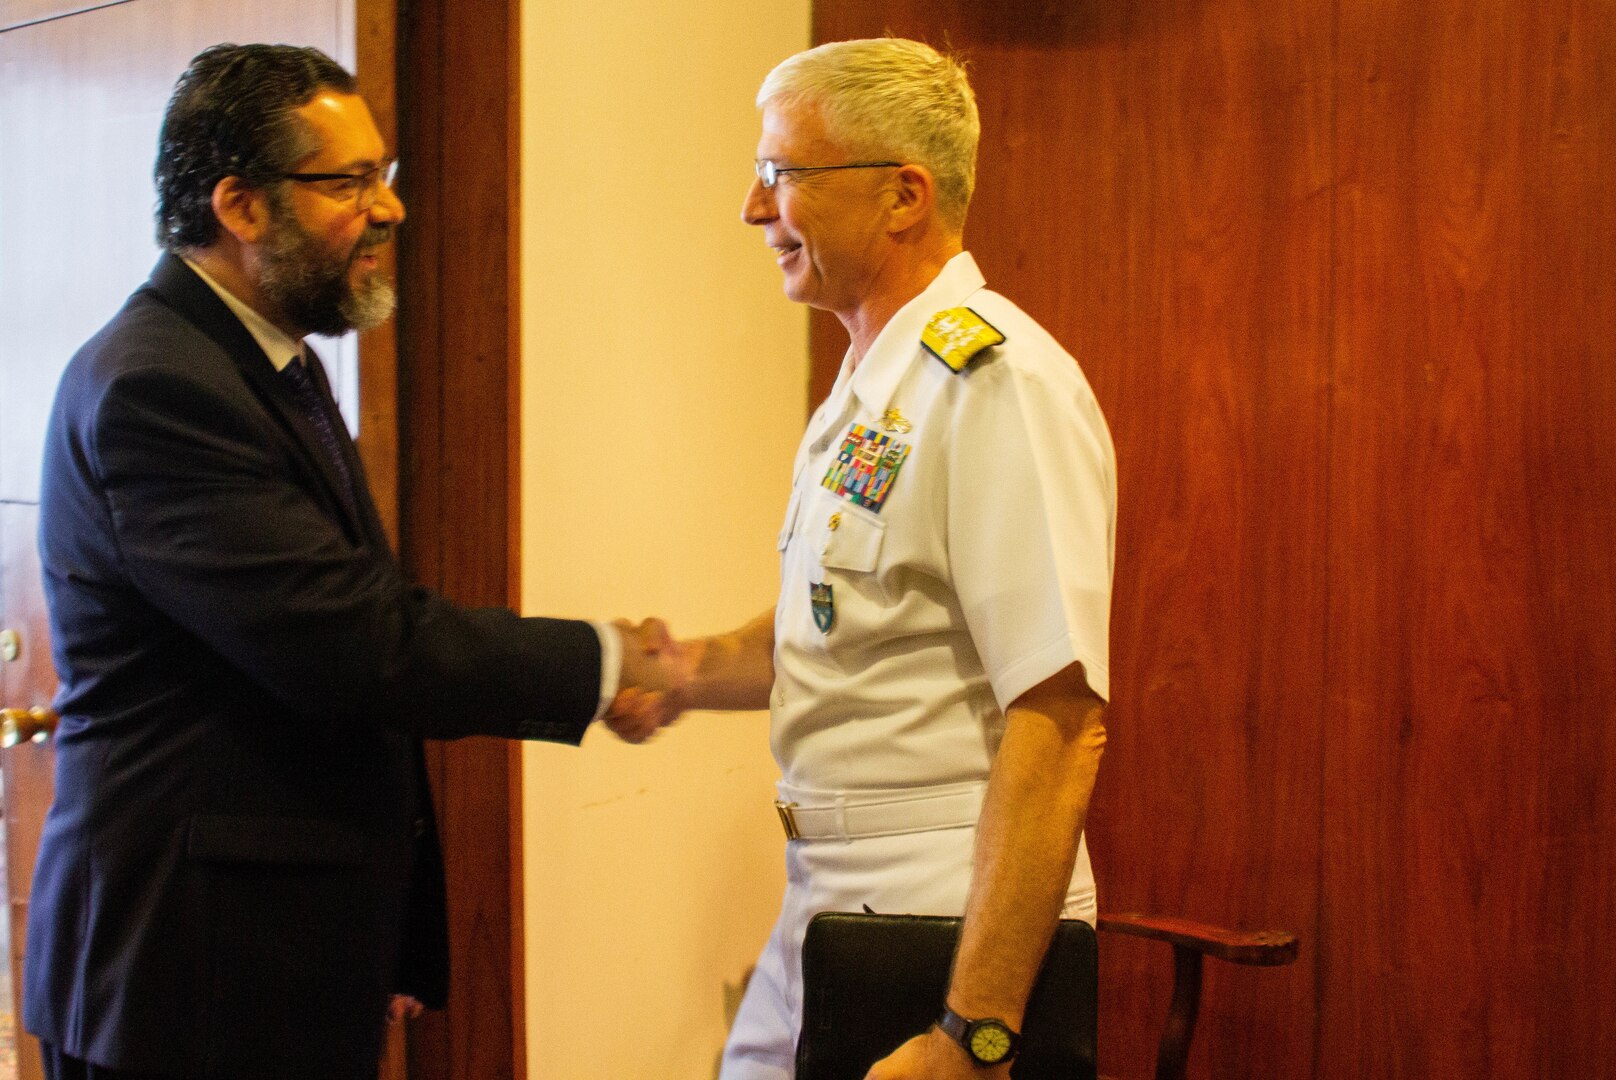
(958, 334)
(865, 467)
(824, 602)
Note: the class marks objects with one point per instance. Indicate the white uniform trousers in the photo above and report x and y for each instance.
(925, 873)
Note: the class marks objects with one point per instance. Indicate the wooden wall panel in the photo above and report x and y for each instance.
(458, 363)
(1341, 273)
(1471, 797)
(1153, 187)
(375, 65)
(28, 770)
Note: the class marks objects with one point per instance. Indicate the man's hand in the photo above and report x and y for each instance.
(649, 656)
(732, 671)
(933, 1056)
(403, 1007)
(656, 672)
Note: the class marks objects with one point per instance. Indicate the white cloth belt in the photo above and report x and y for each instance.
(829, 815)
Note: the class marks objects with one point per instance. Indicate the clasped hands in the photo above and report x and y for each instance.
(653, 688)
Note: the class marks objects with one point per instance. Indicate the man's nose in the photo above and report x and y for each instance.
(758, 206)
(388, 207)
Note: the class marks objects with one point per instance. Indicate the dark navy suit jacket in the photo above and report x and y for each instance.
(242, 864)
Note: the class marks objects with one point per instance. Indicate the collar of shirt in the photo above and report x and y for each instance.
(280, 348)
(883, 367)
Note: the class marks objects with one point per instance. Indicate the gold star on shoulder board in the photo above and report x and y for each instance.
(957, 335)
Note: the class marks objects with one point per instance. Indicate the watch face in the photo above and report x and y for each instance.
(990, 1042)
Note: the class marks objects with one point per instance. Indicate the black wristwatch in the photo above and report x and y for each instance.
(989, 1041)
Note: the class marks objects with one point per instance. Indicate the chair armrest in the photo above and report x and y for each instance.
(1191, 941)
(1265, 948)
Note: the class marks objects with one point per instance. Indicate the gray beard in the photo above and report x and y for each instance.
(370, 305)
(313, 290)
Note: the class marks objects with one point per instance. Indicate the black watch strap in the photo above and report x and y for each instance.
(989, 1041)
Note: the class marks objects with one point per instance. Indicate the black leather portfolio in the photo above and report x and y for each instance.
(871, 982)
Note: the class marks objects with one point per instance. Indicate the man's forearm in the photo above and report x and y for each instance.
(1036, 804)
(734, 670)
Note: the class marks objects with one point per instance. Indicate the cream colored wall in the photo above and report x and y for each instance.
(663, 392)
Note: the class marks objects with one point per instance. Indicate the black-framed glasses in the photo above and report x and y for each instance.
(768, 173)
(360, 189)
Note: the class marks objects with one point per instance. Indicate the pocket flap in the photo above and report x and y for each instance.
(849, 539)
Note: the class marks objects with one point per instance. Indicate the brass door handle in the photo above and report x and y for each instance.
(27, 725)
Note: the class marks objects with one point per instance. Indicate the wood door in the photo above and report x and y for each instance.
(1116, 204)
(1341, 274)
(82, 91)
(1469, 754)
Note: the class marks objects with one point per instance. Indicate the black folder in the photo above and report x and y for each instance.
(872, 982)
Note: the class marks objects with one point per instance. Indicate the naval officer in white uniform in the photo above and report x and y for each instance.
(936, 662)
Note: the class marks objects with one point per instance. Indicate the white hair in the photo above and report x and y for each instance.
(890, 98)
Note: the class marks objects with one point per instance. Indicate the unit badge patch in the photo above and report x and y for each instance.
(958, 334)
(823, 599)
(865, 467)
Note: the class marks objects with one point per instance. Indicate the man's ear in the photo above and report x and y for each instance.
(913, 196)
(242, 210)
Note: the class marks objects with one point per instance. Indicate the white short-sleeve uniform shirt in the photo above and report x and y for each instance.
(980, 568)
(945, 588)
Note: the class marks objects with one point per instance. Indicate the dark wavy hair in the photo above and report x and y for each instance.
(234, 113)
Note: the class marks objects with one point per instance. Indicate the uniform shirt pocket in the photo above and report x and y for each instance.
(849, 539)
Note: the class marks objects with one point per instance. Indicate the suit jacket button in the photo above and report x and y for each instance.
(420, 827)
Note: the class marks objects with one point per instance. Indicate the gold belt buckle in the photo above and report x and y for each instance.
(788, 820)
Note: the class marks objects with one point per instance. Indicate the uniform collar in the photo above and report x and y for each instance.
(280, 348)
(894, 349)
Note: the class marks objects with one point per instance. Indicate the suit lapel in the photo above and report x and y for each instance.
(191, 297)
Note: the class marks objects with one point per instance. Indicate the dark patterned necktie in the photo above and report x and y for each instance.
(306, 393)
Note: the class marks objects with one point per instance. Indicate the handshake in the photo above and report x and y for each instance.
(655, 682)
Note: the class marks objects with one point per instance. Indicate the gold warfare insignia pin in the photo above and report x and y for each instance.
(893, 420)
(958, 334)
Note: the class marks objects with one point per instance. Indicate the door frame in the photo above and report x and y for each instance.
(439, 437)
(445, 375)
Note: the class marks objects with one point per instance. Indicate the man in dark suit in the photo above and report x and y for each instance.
(240, 876)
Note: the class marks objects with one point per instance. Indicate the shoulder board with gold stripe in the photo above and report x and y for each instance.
(955, 336)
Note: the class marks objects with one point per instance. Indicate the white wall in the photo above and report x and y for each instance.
(663, 393)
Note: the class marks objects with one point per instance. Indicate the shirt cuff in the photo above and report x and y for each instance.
(611, 664)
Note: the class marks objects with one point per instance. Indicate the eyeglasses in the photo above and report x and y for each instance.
(361, 189)
(768, 173)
